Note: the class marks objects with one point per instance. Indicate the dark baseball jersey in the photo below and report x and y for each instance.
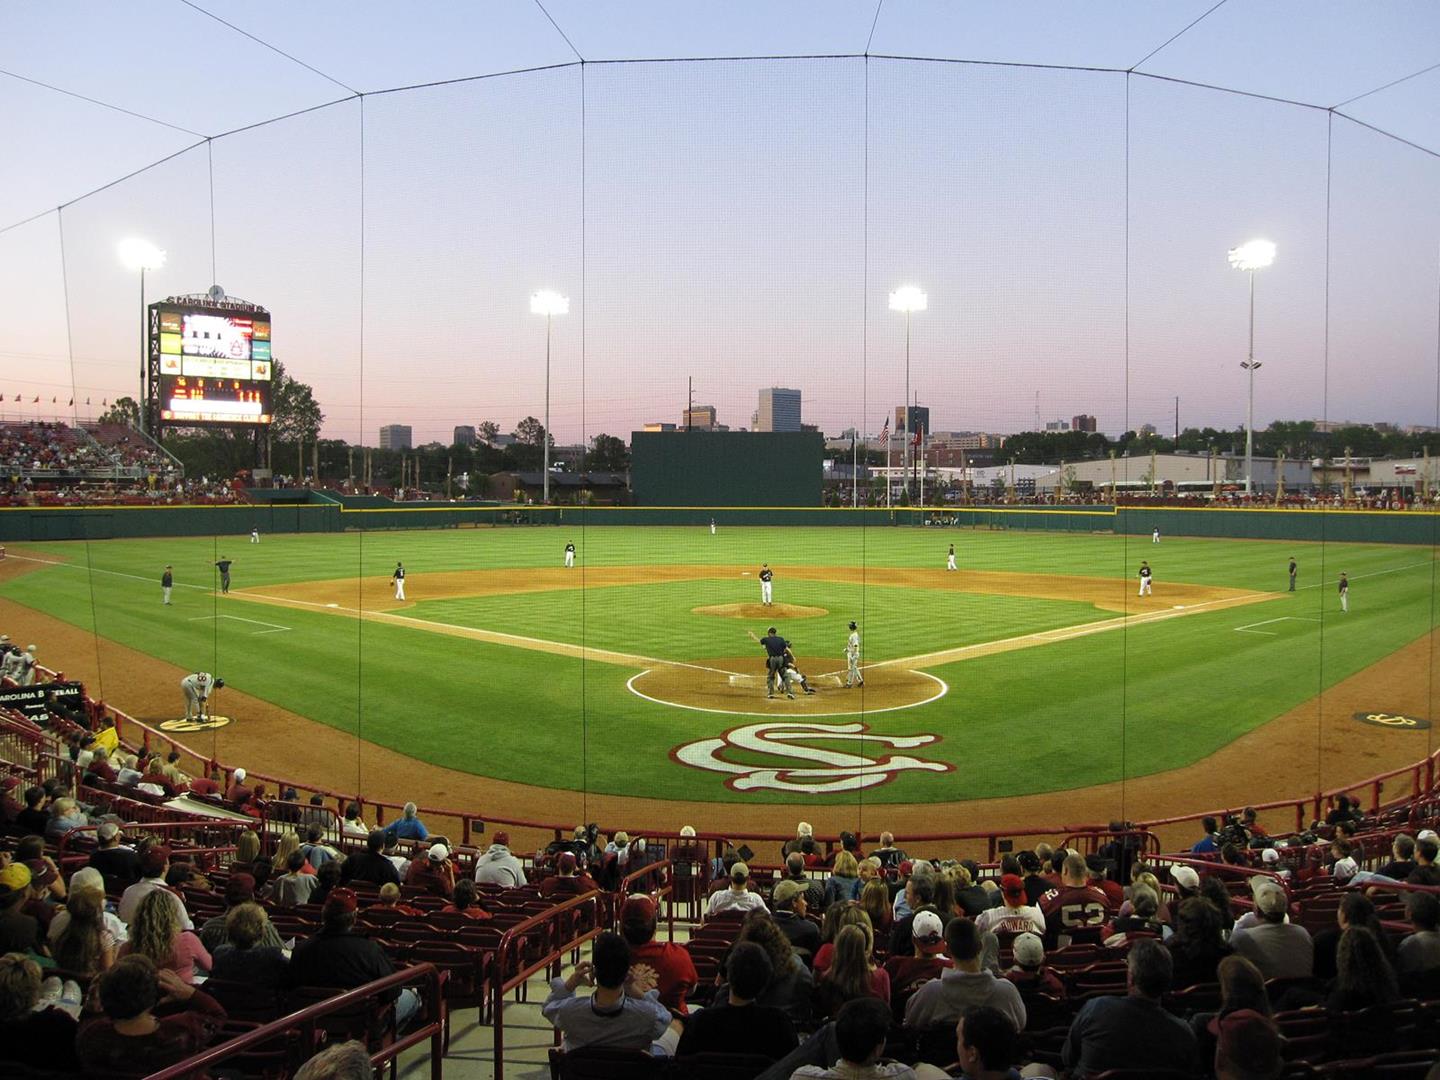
(224, 567)
(1344, 584)
(775, 645)
(570, 548)
(766, 575)
(1070, 907)
(167, 580)
(1144, 571)
(399, 574)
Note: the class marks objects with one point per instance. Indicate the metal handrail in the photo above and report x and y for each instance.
(666, 887)
(513, 939)
(433, 1030)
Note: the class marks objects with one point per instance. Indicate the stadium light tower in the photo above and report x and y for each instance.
(908, 299)
(137, 254)
(549, 304)
(1251, 256)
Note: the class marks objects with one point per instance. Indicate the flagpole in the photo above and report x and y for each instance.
(854, 467)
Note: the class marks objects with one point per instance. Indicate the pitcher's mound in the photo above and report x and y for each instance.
(737, 685)
(760, 611)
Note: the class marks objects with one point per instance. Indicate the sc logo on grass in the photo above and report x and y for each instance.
(1394, 721)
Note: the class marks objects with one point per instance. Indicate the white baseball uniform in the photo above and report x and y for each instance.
(712, 526)
(950, 559)
(569, 555)
(1144, 581)
(852, 660)
(255, 536)
(399, 578)
(767, 590)
(196, 688)
(1155, 536)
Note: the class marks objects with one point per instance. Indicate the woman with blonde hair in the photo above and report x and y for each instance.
(851, 974)
(86, 946)
(875, 901)
(289, 841)
(155, 933)
(844, 882)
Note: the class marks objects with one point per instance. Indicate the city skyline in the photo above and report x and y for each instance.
(742, 222)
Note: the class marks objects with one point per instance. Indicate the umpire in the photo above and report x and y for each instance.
(775, 650)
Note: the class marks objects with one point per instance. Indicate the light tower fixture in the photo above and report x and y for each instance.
(1251, 256)
(138, 254)
(547, 303)
(907, 299)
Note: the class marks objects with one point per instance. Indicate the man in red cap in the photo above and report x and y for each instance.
(657, 965)
(1015, 915)
(570, 882)
(338, 957)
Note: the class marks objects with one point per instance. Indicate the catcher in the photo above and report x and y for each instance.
(790, 674)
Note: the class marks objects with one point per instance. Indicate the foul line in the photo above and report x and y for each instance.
(275, 628)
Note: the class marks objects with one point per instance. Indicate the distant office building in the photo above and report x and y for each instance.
(1057, 425)
(659, 427)
(1083, 422)
(919, 418)
(964, 440)
(779, 410)
(464, 435)
(700, 418)
(396, 437)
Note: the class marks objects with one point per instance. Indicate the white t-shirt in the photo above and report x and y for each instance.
(730, 900)
(1027, 918)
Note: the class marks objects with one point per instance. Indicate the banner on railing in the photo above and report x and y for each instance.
(35, 701)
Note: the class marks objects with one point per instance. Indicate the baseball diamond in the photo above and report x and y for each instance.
(1033, 669)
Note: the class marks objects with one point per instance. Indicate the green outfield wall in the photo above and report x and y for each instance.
(322, 514)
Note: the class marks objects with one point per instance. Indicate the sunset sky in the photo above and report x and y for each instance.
(738, 221)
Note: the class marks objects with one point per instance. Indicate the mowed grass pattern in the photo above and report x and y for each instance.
(1064, 714)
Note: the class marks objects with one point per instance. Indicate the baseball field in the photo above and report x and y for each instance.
(1032, 669)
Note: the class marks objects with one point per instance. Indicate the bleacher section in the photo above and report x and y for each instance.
(488, 970)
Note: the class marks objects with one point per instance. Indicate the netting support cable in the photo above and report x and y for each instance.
(1125, 541)
(1325, 412)
(360, 534)
(265, 44)
(584, 562)
(563, 35)
(1388, 85)
(102, 104)
(871, 39)
(1177, 35)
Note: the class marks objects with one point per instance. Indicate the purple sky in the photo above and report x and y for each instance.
(741, 222)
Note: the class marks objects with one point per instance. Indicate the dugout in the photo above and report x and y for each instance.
(726, 468)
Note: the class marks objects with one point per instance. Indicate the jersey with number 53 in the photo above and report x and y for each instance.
(1069, 907)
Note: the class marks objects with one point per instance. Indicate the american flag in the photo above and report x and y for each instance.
(885, 432)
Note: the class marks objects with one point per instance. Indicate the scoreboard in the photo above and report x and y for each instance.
(214, 363)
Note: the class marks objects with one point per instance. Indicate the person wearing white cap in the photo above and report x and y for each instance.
(737, 896)
(1279, 948)
(237, 791)
(433, 871)
(803, 832)
(1187, 880)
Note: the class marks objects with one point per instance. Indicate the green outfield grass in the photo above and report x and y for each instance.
(1061, 715)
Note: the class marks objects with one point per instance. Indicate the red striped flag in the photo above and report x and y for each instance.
(885, 432)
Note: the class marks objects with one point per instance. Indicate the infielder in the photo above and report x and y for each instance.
(852, 658)
(775, 648)
(569, 555)
(255, 535)
(167, 582)
(767, 577)
(712, 526)
(398, 580)
(1144, 578)
(1293, 570)
(1344, 592)
(224, 567)
(197, 688)
(853, 677)
(950, 559)
(1155, 536)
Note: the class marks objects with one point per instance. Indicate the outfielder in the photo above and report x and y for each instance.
(852, 659)
(224, 567)
(1294, 569)
(398, 580)
(1155, 536)
(950, 559)
(767, 577)
(1144, 578)
(712, 526)
(1344, 592)
(197, 688)
(255, 535)
(167, 582)
(569, 555)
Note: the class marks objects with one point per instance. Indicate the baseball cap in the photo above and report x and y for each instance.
(1427, 834)
(852, 626)
(687, 831)
(739, 871)
(786, 891)
(154, 861)
(1029, 950)
(87, 877)
(1013, 888)
(1247, 1036)
(1270, 855)
(240, 888)
(927, 930)
(638, 910)
(239, 775)
(1269, 897)
(906, 867)
(502, 838)
(15, 877)
(621, 837)
(439, 852)
(581, 833)
(341, 900)
(1185, 877)
(566, 862)
(41, 872)
(108, 831)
